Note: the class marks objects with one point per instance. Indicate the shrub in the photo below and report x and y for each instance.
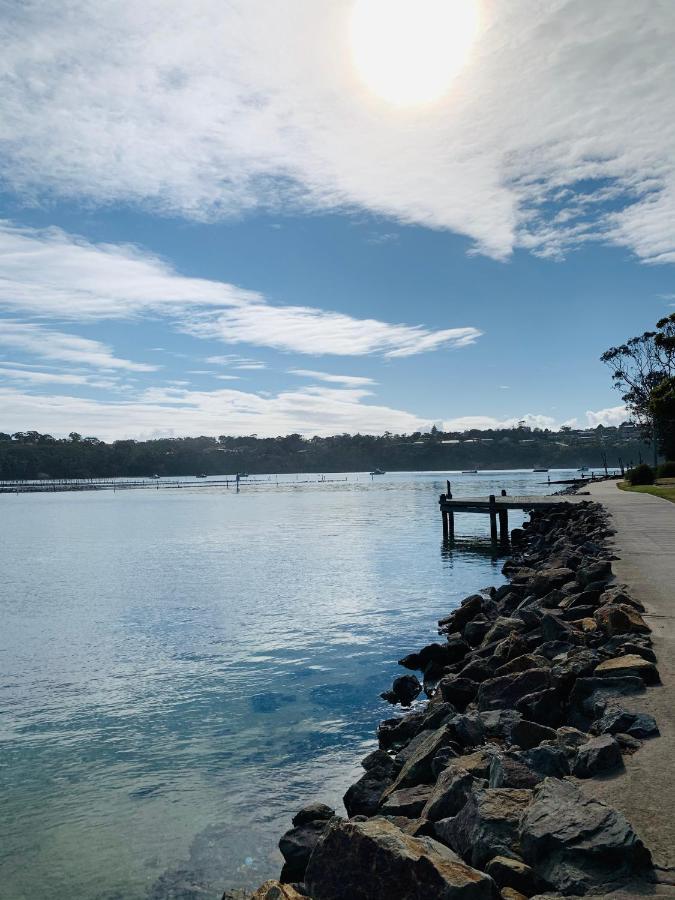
(642, 474)
(666, 470)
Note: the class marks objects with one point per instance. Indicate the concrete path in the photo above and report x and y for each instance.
(645, 543)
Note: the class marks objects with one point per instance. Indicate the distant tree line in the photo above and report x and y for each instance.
(29, 454)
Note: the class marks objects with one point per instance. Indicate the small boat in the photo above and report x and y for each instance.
(582, 469)
(540, 470)
(201, 475)
(378, 472)
(155, 476)
(469, 471)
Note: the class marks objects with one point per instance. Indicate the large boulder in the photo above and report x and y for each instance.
(313, 812)
(363, 797)
(408, 802)
(396, 732)
(547, 580)
(505, 691)
(595, 572)
(487, 825)
(509, 872)
(598, 755)
(619, 721)
(590, 697)
(375, 860)
(576, 844)
(511, 770)
(631, 665)
(450, 793)
(528, 734)
(458, 691)
(296, 847)
(620, 618)
(417, 768)
(469, 609)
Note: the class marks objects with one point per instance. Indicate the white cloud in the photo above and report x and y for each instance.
(302, 329)
(347, 380)
(613, 415)
(215, 108)
(482, 423)
(40, 378)
(177, 412)
(51, 273)
(56, 345)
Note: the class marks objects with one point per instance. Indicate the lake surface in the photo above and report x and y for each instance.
(181, 670)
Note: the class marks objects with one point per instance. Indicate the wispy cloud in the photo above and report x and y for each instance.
(236, 362)
(33, 376)
(46, 343)
(612, 415)
(54, 274)
(347, 380)
(247, 104)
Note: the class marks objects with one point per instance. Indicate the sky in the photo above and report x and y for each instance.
(251, 217)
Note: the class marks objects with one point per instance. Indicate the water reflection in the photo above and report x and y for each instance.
(181, 670)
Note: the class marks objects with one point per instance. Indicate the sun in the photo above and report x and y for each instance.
(408, 51)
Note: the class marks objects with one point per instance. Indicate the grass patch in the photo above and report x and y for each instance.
(664, 487)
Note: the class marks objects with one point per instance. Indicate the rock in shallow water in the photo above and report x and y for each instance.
(375, 860)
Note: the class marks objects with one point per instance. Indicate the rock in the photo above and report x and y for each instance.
(296, 847)
(522, 664)
(555, 628)
(450, 793)
(417, 769)
(528, 734)
(620, 619)
(433, 654)
(575, 664)
(398, 731)
(576, 844)
(511, 894)
(487, 824)
(502, 627)
(408, 802)
(627, 743)
(404, 690)
(441, 761)
(313, 812)
(507, 649)
(548, 760)
(508, 872)
(504, 692)
(474, 632)
(499, 722)
(590, 696)
(363, 797)
(455, 649)
(548, 579)
(467, 730)
(477, 670)
(458, 691)
(470, 608)
(628, 665)
(375, 860)
(275, 890)
(600, 754)
(600, 571)
(569, 738)
(619, 721)
(544, 707)
(511, 770)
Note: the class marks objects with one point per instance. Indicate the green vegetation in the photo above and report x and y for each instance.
(30, 454)
(642, 474)
(664, 488)
(643, 369)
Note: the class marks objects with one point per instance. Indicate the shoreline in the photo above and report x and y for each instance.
(529, 700)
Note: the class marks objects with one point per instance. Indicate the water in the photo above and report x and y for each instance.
(180, 670)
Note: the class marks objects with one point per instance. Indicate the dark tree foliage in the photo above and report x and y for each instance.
(30, 454)
(638, 369)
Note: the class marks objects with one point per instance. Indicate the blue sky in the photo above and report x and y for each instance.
(201, 234)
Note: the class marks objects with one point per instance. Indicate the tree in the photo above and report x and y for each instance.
(639, 366)
(662, 408)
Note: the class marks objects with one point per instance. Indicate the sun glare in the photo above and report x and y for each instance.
(408, 51)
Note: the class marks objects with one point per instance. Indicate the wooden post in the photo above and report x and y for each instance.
(444, 518)
(493, 519)
(451, 525)
(448, 492)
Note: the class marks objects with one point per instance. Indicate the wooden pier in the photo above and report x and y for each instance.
(497, 507)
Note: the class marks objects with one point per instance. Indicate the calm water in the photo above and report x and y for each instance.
(180, 670)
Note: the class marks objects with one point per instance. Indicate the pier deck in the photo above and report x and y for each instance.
(497, 508)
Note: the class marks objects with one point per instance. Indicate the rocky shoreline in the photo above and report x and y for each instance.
(478, 793)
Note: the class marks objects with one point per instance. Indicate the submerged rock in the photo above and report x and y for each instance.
(375, 860)
(404, 690)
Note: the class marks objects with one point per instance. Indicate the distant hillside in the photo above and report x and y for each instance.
(33, 455)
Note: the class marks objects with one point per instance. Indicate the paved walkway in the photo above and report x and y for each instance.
(645, 543)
